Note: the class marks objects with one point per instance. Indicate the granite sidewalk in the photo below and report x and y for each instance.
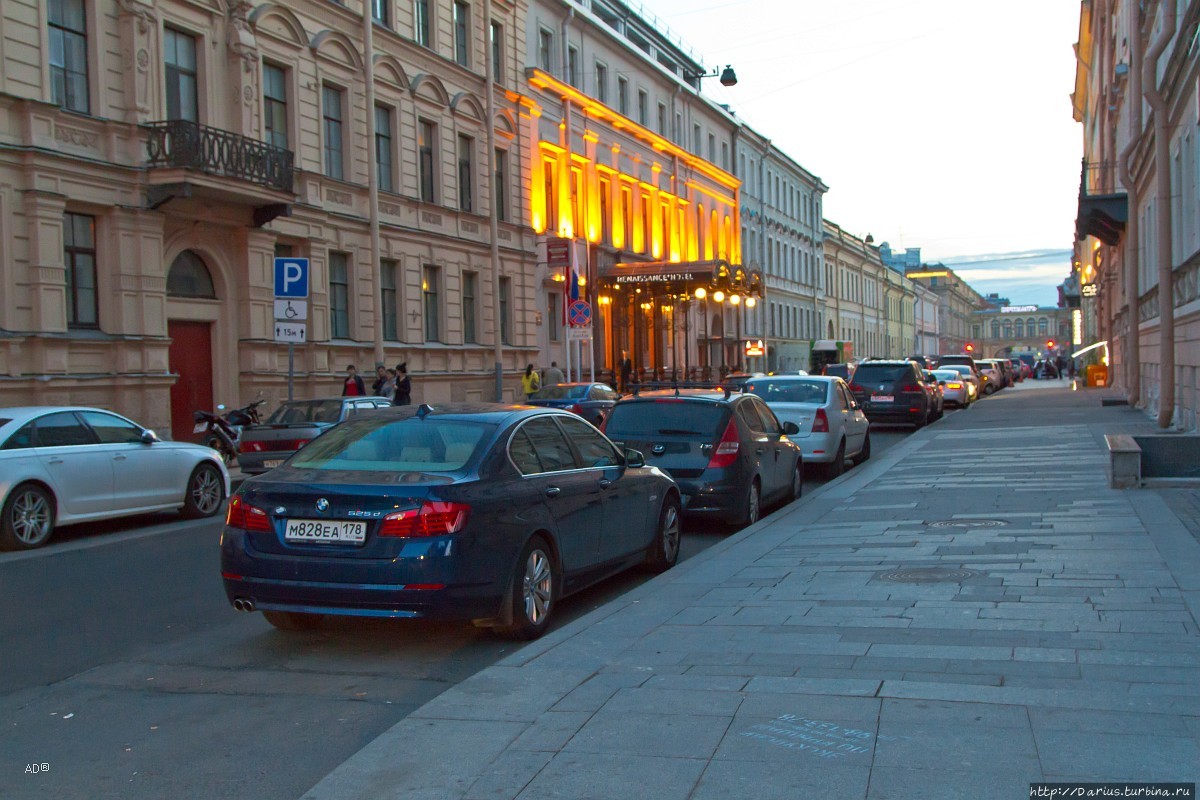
(970, 612)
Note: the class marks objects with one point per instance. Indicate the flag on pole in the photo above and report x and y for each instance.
(573, 273)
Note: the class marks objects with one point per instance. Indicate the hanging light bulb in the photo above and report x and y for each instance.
(701, 293)
(718, 295)
(751, 302)
(735, 299)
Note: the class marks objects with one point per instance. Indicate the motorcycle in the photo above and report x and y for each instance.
(223, 432)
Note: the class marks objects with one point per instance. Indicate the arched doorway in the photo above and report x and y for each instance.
(190, 354)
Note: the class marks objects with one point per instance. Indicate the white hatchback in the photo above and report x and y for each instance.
(832, 426)
(63, 465)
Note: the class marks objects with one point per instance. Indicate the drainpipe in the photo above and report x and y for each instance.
(1162, 176)
(493, 221)
(373, 181)
(1133, 292)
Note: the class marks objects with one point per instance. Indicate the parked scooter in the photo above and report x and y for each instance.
(223, 432)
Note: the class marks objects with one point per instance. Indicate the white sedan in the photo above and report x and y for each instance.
(832, 426)
(64, 465)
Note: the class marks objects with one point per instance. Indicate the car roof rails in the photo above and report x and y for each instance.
(636, 388)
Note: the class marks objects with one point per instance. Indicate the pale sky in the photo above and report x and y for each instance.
(939, 124)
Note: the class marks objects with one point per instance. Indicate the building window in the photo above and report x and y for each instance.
(339, 296)
(643, 107)
(554, 313)
(623, 96)
(1043, 327)
(696, 138)
(545, 49)
(275, 105)
(995, 330)
(68, 55)
(725, 155)
(712, 148)
(381, 11)
(79, 256)
(387, 292)
(466, 168)
(470, 295)
(429, 302)
(180, 58)
(497, 52)
(504, 300)
(573, 65)
(189, 277)
(331, 109)
(1019, 326)
(421, 23)
(601, 83)
(662, 119)
(384, 166)
(462, 27)
(501, 185)
(428, 133)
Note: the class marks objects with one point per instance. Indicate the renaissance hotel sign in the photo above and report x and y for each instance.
(659, 277)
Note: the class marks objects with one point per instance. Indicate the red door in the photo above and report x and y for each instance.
(190, 356)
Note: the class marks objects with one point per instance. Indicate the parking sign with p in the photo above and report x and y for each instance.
(291, 277)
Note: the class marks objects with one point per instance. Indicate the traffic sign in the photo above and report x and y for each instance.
(291, 332)
(291, 277)
(579, 313)
(579, 334)
(291, 310)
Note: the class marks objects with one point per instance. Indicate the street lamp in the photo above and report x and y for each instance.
(728, 76)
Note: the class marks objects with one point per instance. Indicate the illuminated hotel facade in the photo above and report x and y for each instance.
(631, 176)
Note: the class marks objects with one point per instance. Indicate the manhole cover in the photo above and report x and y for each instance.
(928, 575)
(967, 523)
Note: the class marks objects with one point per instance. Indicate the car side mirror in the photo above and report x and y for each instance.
(791, 428)
(634, 458)
(149, 437)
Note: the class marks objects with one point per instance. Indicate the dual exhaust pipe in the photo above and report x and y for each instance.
(243, 604)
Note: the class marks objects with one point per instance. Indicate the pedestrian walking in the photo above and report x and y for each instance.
(403, 395)
(353, 385)
(388, 389)
(530, 382)
(554, 375)
(380, 379)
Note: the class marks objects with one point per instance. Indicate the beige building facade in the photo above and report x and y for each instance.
(1138, 228)
(156, 156)
(957, 304)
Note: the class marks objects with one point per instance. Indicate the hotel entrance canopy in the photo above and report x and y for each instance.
(683, 278)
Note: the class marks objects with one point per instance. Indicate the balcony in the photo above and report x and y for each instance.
(187, 159)
(1103, 207)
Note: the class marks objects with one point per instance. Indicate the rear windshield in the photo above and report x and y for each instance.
(307, 411)
(838, 370)
(409, 445)
(882, 372)
(947, 374)
(561, 393)
(961, 369)
(665, 417)
(789, 391)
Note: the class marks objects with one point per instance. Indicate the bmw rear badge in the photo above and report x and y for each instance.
(322, 504)
(658, 449)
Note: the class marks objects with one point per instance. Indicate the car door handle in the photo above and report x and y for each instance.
(119, 457)
(552, 491)
(605, 483)
(54, 461)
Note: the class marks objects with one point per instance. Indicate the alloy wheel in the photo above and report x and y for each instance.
(753, 501)
(670, 534)
(537, 589)
(206, 491)
(31, 517)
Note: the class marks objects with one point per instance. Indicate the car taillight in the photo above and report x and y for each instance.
(575, 409)
(953, 385)
(820, 422)
(854, 387)
(727, 449)
(433, 518)
(245, 516)
(911, 387)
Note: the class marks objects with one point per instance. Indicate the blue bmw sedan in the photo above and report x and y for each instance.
(487, 513)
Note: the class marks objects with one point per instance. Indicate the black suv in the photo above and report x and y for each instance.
(892, 391)
(727, 451)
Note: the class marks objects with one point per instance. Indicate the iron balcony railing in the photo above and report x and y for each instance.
(180, 143)
(1099, 178)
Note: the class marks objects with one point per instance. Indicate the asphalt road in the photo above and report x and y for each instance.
(125, 673)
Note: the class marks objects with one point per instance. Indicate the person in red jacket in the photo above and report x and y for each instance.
(353, 387)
